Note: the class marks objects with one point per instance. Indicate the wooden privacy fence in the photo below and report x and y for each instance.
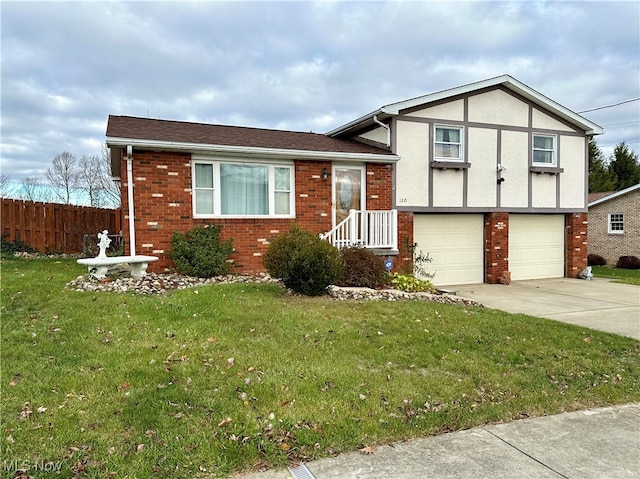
(49, 227)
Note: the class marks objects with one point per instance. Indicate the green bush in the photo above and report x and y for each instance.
(410, 284)
(628, 262)
(6, 247)
(362, 268)
(304, 262)
(200, 252)
(595, 260)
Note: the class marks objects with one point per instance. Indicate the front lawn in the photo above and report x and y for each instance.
(619, 275)
(215, 380)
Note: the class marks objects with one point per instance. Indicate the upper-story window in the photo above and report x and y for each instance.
(448, 144)
(238, 189)
(544, 150)
(616, 223)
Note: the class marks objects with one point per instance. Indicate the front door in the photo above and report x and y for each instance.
(348, 191)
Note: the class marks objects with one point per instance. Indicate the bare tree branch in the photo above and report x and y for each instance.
(63, 176)
(32, 189)
(6, 187)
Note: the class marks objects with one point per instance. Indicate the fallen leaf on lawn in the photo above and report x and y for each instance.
(212, 339)
(225, 422)
(26, 411)
(41, 409)
(588, 339)
(140, 447)
(285, 446)
(230, 363)
(363, 397)
(366, 450)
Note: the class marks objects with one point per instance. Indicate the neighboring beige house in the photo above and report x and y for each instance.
(614, 224)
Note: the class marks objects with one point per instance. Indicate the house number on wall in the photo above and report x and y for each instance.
(402, 200)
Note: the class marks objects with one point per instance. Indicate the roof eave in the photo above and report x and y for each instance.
(255, 152)
(614, 195)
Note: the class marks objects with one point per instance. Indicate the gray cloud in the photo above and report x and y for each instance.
(294, 65)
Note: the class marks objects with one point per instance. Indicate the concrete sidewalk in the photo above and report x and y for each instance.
(596, 304)
(598, 443)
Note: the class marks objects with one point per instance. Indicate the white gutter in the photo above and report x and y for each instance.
(253, 151)
(386, 127)
(132, 227)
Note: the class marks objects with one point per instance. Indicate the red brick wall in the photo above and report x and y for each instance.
(379, 186)
(162, 191)
(404, 260)
(496, 243)
(576, 242)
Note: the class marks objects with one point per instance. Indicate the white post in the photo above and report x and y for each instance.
(394, 229)
(132, 227)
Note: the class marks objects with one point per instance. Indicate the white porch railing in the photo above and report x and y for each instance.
(369, 229)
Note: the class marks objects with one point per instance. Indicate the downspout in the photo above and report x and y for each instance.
(386, 127)
(132, 228)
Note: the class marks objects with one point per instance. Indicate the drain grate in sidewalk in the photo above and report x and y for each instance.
(301, 472)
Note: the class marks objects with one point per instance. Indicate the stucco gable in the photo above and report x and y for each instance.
(503, 81)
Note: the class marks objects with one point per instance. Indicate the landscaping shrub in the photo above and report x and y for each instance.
(628, 262)
(304, 262)
(7, 247)
(362, 268)
(596, 260)
(411, 284)
(200, 252)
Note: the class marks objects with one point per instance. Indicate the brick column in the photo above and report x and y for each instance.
(404, 260)
(496, 248)
(576, 243)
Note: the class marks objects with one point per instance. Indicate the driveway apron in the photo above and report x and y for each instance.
(597, 304)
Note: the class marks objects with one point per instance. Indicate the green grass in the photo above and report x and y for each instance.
(619, 275)
(144, 387)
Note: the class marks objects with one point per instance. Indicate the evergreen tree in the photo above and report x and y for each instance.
(600, 176)
(624, 166)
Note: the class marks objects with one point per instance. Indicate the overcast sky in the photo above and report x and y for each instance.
(295, 65)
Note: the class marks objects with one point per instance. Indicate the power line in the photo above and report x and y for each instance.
(610, 106)
(625, 123)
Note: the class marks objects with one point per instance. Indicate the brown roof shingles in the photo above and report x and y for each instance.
(207, 134)
(597, 196)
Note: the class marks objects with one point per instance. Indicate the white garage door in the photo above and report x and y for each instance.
(536, 246)
(455, 243)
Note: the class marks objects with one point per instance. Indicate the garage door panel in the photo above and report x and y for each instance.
(455, 245)
(536, 246)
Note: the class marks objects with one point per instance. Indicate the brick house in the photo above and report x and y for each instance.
(489, 178)
(614, 224)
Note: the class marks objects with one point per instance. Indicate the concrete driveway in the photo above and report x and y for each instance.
(597, 304)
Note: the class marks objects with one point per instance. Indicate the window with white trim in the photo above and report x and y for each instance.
(447, 143)
(544, 150)
(616, 223)
(242, 189)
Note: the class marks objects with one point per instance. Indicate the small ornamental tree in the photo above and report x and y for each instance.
(200, 252)
(304, 262)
